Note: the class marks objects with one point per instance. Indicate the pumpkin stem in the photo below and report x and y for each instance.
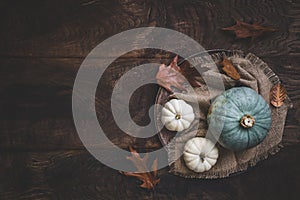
(202, 157)
(177, 116)
(247, 121)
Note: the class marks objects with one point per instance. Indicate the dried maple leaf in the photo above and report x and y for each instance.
(245, 30)
(229, 69)
(149, 179)
(173, 76)
(277, 95)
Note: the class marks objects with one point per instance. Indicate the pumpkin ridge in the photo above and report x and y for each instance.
(256, 134)
(254, 105)
(229, 132)
(237, 106)
(173, 123)
(198, 168)
(196, 145)
(190, 152)
(178, 107)
(229, 114)
(169, 106)
(184, 117)
(248, 136)
(190, 148)
(265, 112)
(225, 115)
(210, 161)
(206, 149)
(168, 122)
(167, 111)
(260, 111)
(185, 123)
(227, 124)
(208, 156)
(262, 126)
(166, 119)
(188, 109)
(207, 165)
(192, 161)
(262, 118)
(180, 126)
(238, 134)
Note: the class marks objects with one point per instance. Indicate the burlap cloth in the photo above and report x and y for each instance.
(255, 74)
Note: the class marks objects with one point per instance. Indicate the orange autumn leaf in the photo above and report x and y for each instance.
(245, 30)
(277, 95)
(229, 69)
(149, 179)
(173, 76)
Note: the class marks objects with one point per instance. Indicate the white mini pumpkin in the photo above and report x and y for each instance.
(200, 154)
(177, 115)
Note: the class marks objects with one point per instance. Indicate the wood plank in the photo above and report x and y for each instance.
(37, 103)
(77, 175)
(287, 68)
(74, 28)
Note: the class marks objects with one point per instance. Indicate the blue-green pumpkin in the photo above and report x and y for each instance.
(239, 118)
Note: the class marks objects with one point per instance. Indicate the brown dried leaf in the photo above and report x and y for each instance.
(277, 95)
(149, 179)
(168, 76)
(245, 30)
(172, 76)
(229, 69)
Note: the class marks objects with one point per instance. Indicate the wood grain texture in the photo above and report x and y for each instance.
(37, 112)
(77, 175)
(75, 31)
(70, 28)
(42, 46)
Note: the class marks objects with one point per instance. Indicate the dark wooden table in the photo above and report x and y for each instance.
(43, 43)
